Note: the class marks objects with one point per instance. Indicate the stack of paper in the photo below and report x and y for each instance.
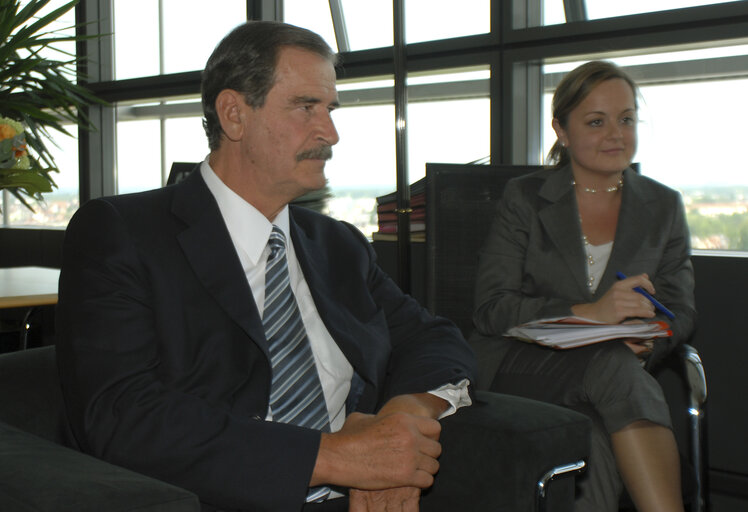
(573, 331)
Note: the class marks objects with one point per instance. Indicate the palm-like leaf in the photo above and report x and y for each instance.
(39, 91)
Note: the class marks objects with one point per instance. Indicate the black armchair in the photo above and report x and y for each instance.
(504, 447)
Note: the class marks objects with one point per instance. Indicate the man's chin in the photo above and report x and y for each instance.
(316, 178)
(312, 184)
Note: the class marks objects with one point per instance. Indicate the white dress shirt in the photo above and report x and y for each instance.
(250, 230)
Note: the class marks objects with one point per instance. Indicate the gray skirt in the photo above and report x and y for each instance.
(605, 381)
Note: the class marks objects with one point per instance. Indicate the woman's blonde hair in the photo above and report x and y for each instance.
(573, 89)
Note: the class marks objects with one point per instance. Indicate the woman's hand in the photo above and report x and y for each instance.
(640, 347)
(620, 302)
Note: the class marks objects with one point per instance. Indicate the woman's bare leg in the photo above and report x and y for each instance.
(647, 458)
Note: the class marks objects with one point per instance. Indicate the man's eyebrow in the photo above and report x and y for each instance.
(301, 100)
(305, 99)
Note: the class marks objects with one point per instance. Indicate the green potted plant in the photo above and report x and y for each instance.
(38, 95)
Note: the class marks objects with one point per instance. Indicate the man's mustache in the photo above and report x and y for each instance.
(318, 153)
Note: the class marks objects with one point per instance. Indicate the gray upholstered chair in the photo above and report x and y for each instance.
(40, 468)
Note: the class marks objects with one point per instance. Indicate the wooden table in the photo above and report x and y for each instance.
(27, 287)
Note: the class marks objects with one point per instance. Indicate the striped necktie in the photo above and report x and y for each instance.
(296, 393)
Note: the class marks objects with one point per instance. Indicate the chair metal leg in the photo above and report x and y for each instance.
(697, 397)
(23, 342)
(554, 474)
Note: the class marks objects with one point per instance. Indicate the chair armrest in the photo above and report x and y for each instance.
(695, 375)
(41, 476)
(496, 451)
(31, 395)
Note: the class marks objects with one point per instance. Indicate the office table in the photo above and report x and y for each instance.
(28, 287)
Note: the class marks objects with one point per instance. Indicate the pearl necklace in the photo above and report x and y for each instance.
(590, 260)
(614, 188)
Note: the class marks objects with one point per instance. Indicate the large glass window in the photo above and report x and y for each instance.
(136, 39)
(152, 136)
(447, 131)
(313, 15)
(138, 155)
(690, 145)
(168, 36)
(597, 9)
(356, 25)
(368, 27)
(691, 135)
(428, 20)
(185, 141)
(448, 119)
(561, 11)
(363, 25)
(363, 163)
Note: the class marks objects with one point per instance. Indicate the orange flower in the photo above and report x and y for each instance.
(20, 151)
(13, 130)
(7, 131)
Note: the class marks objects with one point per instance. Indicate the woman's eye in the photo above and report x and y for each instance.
(596, 122)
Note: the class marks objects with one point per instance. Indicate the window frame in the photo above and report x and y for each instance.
(512, 50)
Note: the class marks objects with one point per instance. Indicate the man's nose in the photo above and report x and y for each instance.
(328, 132)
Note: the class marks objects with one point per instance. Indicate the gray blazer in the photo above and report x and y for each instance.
(533, 262)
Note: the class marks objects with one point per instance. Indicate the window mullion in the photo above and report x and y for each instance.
(339, 25)
(96, 148)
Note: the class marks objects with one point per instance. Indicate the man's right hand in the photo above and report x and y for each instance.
(381, 451)
(400, 499)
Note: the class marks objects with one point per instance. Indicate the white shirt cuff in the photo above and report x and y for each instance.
(455, 394)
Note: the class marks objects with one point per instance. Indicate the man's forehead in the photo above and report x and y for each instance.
(295, 55)
(305, 74)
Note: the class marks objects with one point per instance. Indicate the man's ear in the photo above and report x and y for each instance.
(229, 105)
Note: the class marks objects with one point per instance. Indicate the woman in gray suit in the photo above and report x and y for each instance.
(560, 237)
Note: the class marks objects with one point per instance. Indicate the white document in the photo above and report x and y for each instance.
(574, 331)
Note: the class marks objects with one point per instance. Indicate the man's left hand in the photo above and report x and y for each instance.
(399, 499)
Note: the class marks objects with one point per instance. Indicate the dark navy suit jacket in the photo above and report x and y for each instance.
(164, 361)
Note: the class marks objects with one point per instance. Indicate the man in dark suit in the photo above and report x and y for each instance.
(169, 363)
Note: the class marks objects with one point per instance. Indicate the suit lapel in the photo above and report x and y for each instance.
(560, 219)
(345, 330)
(635, 213)
(208, 248)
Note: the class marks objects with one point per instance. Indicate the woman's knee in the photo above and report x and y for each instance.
(614, 376)
(613, 361)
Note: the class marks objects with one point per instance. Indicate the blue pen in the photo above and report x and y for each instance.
(651, 299)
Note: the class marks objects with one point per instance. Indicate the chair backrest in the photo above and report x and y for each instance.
(460, 203)
(179, 171)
